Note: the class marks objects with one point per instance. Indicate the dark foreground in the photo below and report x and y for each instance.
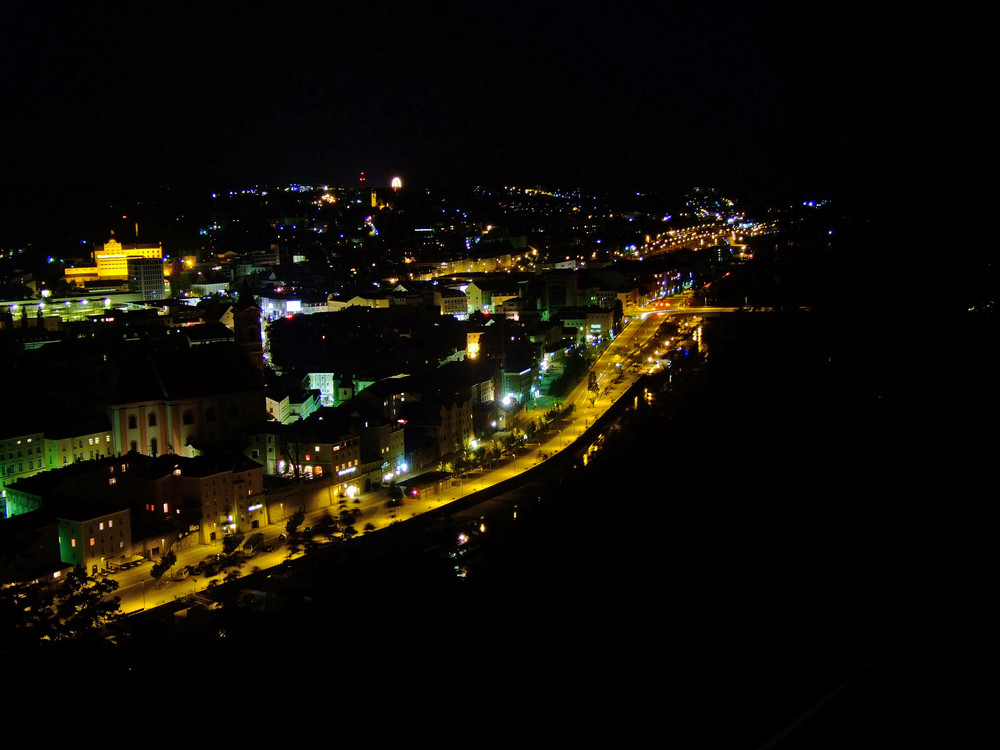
(790, 549)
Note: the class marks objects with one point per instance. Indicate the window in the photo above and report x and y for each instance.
(111, 481)
(132, 422)
(101, 525)
(91, 541)
(188, 417)
(210, 414)
(72, 542)
(152, 447)
(152, 420)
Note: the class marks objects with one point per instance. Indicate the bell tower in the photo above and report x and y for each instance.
(246, 326)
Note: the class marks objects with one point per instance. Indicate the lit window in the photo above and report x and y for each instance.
(101, 526)
(111, 524)
(112, 480)
(91, 541)
(166, 508)
(72, 542)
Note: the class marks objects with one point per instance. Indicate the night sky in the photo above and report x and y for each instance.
(751, 97)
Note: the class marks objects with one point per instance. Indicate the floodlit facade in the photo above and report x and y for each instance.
(64, 450)
(92, 536)
(21, 456)
(112, 259)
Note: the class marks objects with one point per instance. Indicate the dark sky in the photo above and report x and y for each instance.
(749, 96)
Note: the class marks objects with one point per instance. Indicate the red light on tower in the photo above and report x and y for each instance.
(362, 178)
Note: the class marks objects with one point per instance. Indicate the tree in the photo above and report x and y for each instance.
(82, 605)
(232, 541)
(295, 520)
(25, 609)
(326, 526)
(164, 564)
(350, 532)
(292, 529)
(294, 449)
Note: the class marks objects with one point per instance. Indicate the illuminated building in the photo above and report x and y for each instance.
(279, 305)
(21, 456)
(172, 400)
(64, 447)
(444, 423)
(145, 276)
(335, 389)
(162, 495)
(92, 534)
(451, 302)
(593, 324)
(112, 259)
(287, 404)
(227, 495)
(472, 344)
(111, 262)
(311, 450)
(487, 295)
(26, 455)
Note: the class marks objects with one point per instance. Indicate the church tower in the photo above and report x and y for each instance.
(246, 326)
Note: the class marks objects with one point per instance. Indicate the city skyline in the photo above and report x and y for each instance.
(775, 533)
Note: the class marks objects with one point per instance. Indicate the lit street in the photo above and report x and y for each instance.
(139, 591)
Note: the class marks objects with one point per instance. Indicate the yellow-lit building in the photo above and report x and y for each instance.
(112, 259)
(111, 262)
